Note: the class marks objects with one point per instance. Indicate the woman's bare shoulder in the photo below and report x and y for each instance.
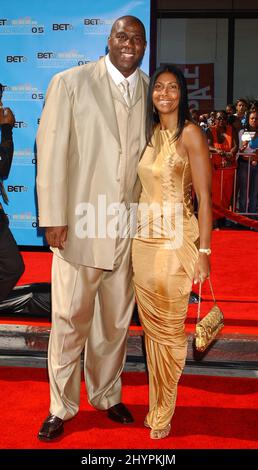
(192, 130)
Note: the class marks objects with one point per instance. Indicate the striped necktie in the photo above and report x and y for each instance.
(124, 88)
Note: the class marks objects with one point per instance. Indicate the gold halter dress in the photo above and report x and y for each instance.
(165, 250)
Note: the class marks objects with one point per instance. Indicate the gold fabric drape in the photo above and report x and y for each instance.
(163, 264)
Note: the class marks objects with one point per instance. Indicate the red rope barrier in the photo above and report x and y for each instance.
(241, 219)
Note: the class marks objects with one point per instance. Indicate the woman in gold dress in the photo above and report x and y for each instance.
(171, 248)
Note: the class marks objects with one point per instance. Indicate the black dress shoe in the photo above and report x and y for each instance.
(52, 428)
(120, 414)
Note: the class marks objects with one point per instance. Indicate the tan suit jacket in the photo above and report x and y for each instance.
(78, 155)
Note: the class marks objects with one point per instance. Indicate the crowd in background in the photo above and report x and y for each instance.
(233, 141)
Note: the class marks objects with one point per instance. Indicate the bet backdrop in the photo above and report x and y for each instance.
(38, 39)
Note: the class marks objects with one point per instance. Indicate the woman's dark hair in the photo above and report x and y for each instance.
(247, 125)
(152, 118)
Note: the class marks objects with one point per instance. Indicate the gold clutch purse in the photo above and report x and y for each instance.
(207, 329)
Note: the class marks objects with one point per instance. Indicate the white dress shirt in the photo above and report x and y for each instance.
(118, 77)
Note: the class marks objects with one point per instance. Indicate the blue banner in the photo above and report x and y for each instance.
(39, 39)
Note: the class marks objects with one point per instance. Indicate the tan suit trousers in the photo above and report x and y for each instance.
(100, 327)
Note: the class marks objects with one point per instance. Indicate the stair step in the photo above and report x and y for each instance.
(228, 351)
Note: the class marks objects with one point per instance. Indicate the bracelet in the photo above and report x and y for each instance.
(207, 251)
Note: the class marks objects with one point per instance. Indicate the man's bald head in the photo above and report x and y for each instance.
(127, 43)
(128, 19)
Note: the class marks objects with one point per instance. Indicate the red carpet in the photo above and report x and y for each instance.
(37, 267)
(211, 413)
(234, 278)
(234, 266)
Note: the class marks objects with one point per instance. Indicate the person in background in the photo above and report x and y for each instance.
(194, 115)
(11, 262)
(230, 110)
(89, 142)
(203, 123)
(170, 250)
(211, 119)
(223, 145)
(240, 114)
(253, 106)
(247, 171)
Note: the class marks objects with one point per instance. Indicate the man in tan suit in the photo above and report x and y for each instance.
(89, 142)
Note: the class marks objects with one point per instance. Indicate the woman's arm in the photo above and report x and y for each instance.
(198, 151)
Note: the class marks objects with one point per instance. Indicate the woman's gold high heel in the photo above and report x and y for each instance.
(160, 433)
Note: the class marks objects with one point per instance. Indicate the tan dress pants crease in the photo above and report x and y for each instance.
(101, 328)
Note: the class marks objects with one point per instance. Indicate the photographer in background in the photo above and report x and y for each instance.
(11, 262)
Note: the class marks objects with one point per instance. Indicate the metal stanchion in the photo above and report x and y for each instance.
(234, 192)
(221, 185)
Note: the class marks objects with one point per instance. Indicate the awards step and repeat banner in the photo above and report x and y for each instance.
(39, 39)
